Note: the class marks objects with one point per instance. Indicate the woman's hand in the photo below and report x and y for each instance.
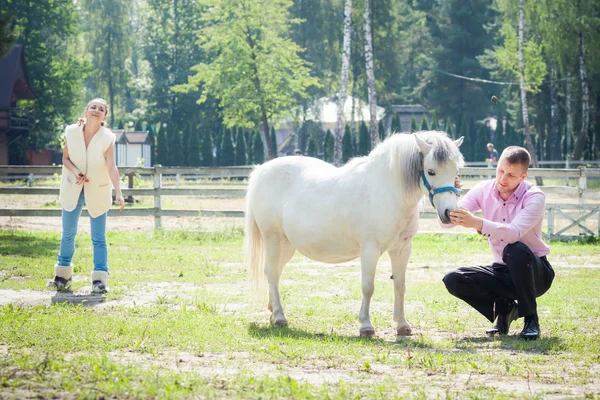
(120, 202)
(81, 178)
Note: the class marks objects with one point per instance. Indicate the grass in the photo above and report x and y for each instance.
(179, 323)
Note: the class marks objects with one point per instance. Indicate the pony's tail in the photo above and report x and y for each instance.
(254, 249)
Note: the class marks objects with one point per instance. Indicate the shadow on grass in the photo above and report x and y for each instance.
(513, 342)
(26, 245)
(68, 297)
(269, 331)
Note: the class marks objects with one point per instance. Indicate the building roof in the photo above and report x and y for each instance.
(408, 109)
(135, 137)
(13, 78)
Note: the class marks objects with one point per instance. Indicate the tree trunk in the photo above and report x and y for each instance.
(339, 129)
(569, 112)
(528, 140)
(370, 77)
(554, 122)
(585, 104)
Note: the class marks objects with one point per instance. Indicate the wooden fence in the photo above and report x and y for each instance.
(580, 193)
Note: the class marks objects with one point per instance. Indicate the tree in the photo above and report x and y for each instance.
(227, 150)
(448, 127)
(258, 148)
(424, 124)
(364, 140)
(328, 143)
(348, 150)
(381, 130)
(370, 76)
(413, 124)
(162, 152)
(207, 149)
(435, 123)
(109, 43)
(138, 125)
(274, 151)
(6, 36)
(338, 149)
(241, 157)
(396, 126)
(193, 147)
(267, 77)
(175, 148)
(312, 147)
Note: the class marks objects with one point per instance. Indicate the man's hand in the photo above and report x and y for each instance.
(463, 217)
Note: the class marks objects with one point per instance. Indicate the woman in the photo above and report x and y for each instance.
(88, 170)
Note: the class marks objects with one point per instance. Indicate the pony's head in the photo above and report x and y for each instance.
(441, 161)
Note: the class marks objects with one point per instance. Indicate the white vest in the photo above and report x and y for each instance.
(92, 162)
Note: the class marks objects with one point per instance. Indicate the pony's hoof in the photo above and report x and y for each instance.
(279, 323)
(404, 331)
(367, 332)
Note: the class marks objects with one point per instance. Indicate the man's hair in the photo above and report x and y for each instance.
(517, 155)
(490, 145)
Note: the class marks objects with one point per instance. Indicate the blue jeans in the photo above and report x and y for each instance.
(70, 220)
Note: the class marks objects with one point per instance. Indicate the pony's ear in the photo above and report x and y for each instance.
(423, 146)
(459, 141)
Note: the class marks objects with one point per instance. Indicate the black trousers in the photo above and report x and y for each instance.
(492, 289)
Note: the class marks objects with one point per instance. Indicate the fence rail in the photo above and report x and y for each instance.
(580, 193)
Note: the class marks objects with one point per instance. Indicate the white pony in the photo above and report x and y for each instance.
(333, 215)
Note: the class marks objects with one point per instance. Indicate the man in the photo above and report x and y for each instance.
(298, 152)
(513, 212)
(493, 153)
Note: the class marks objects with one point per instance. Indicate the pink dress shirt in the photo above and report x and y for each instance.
(518, 219)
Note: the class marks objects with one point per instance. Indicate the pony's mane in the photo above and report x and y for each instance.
(405, 161)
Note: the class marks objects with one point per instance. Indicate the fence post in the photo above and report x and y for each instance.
(582, 187)
(30, 179)
(157, 199)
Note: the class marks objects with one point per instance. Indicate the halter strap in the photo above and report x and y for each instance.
(433, 191)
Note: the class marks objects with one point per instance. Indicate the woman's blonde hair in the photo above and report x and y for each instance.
(81, 120)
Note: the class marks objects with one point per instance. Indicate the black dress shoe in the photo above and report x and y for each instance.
(503, 321)
(531, 330)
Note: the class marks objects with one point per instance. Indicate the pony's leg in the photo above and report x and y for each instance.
(368, 263)
(399, 259)
(278, 252)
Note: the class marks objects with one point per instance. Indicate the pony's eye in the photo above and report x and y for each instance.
(431, 172)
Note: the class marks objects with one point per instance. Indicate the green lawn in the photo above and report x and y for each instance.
(179, 323)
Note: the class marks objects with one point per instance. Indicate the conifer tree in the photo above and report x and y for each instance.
(435, 123)
(162, 151)
(381, 130)
(311, 147)
(227, 150)
(448, 128)
(175, 157)
(194, 148)
(328, 144)
(207, 149)
(396, 125)
(424, 123)
(185, 140)
(347, 149)
(258, 149)
(152, 140)
(364, 140)
(274, 142)
(138, 126)
(240, 149)
(413, 124)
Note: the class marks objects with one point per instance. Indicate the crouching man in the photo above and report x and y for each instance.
(513, 212)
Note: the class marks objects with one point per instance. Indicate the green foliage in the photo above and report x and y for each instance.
(269, 76)
(138, 126)
(175, 147)
(241, 157)
(435, 123)
(381, 130)
(227, 150)
(396, 126)
(448, 128)
(347, 148)
(328, 144)
(207, 148)
(413, 124)
(364, 140)
(193, 147)
(162, 153)
(312, 147)
(6, 36)
(258, 149)
(424, 123)
(274, 151)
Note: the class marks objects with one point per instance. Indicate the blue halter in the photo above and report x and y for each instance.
(433, 191)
